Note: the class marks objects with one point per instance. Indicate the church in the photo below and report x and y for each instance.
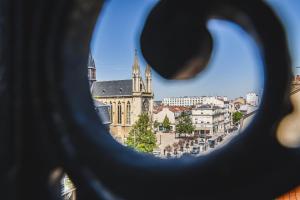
(127, 98)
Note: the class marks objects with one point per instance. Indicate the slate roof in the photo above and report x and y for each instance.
(207, 106)
(173, 109)
(112, 88)
(103, 111)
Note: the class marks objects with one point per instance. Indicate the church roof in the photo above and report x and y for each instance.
(112, 88)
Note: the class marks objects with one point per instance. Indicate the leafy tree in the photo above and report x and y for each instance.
(166, 124)
(141, 137)
(156, 124)
(236, 117)
(184, 124)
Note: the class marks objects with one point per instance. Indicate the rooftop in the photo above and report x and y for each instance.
(112, 88)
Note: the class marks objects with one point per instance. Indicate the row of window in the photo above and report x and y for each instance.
(196, 122)
(119, 113)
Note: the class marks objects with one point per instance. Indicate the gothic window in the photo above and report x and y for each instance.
(119, 113)
(93, 74)
(111, 112)
(128, 113)
(145, 105)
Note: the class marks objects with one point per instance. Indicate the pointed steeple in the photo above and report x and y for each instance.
(136, 66)
(91, 69)
(148, 79)
(148, 71)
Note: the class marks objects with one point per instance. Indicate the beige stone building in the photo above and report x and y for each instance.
(208, 120)
(127, 99)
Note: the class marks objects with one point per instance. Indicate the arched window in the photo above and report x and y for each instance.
(111, 112)
(128, 114)
(119, 113)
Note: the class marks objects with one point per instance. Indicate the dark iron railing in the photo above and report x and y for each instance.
(47, 125)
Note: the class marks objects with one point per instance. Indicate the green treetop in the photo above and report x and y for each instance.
(166, 124)
(236, 117)
(141, 136)
(184, 124)
(156, 124)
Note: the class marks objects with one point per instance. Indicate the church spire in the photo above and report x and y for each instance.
(148, 71)
(91, 69)
(136, 66)
(136, 74)
(148, 79)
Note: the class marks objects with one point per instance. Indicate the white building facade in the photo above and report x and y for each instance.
(182, 101)
(252, 99)
(208, 120)
(191, 101)
(228, 112)
(160, 116)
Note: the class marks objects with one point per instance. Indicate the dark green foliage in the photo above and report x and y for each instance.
(184, 125)
(166, 124)
(141, 137)
(236, 117)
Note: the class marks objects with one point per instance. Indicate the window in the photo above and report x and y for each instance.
(128, 114)
(111, 113)
(119, 113)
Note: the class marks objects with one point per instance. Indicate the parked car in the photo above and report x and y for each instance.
(211, 143)
(156, 153)
(195, 151)
(203, 146)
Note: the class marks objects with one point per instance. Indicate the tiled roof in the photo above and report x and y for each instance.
(103, 111)
(171, 108)
(207, 106)
(112, 88)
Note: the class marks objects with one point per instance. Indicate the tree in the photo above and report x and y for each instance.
(166, 124)
(141, 136)
(184, 124)
(236, 117)
(156, 124)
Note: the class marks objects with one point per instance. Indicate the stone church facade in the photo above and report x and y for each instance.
(127, 99)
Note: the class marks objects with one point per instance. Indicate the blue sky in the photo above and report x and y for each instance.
(235, 67)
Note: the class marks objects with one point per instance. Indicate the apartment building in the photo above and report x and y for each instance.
(208, 119)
